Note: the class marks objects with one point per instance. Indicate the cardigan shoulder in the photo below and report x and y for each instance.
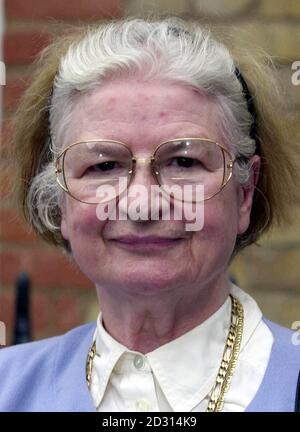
(29, 370)
(49, 375)
(278, 390)
(287, 340)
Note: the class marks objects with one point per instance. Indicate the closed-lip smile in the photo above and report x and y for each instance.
(154, 241)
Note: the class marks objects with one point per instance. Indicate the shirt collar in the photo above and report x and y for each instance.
(186, 367)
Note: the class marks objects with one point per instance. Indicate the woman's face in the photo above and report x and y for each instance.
(144, 115)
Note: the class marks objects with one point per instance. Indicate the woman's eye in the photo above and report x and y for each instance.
(103, 166)
(185, 162)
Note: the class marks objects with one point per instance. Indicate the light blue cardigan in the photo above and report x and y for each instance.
(49, 375)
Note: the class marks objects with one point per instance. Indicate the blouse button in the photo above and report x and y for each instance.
(139, 361)
(142, 405)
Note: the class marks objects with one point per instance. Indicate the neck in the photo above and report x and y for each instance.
(145, 322)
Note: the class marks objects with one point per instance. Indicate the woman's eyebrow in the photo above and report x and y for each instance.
(106, 147)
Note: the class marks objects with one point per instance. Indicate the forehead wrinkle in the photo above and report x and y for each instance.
(139, 141)
(93, 120)
(143, 137)
(111, 120)
(143, 112)
(140, 96)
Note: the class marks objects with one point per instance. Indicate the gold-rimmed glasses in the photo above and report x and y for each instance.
(83, 167)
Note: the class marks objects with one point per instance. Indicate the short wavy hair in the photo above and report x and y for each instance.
(168, 48)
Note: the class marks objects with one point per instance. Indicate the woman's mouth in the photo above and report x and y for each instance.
(147, 242)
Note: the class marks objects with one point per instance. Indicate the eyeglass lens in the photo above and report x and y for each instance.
(177, 164)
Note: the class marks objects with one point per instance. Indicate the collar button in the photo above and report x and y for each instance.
(139, 362)
(142, 405)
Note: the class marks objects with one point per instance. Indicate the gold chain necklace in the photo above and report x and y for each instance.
(229, 359)
(228, 363)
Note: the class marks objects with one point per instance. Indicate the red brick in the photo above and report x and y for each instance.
(21, 47)
(67, 313)
(13, 90)
(40, 313)
(54, 314)
(67, 9)
(13, 229)
(45, 267)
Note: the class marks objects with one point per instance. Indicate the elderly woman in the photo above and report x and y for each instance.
(131, 129)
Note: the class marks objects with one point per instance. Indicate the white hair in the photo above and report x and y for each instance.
(169, 49)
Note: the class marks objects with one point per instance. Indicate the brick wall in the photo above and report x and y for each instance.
(61, 296)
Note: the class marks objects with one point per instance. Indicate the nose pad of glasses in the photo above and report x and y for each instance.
(141, 199)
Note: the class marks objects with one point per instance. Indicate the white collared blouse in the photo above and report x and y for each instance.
(179, 375)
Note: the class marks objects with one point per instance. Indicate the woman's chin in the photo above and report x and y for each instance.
(147, 281)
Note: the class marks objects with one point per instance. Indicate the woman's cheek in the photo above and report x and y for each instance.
(220, 221)
(83, 221)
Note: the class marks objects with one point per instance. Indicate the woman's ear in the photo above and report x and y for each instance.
(247, 193)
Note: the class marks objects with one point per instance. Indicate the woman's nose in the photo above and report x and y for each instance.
(141, 200)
